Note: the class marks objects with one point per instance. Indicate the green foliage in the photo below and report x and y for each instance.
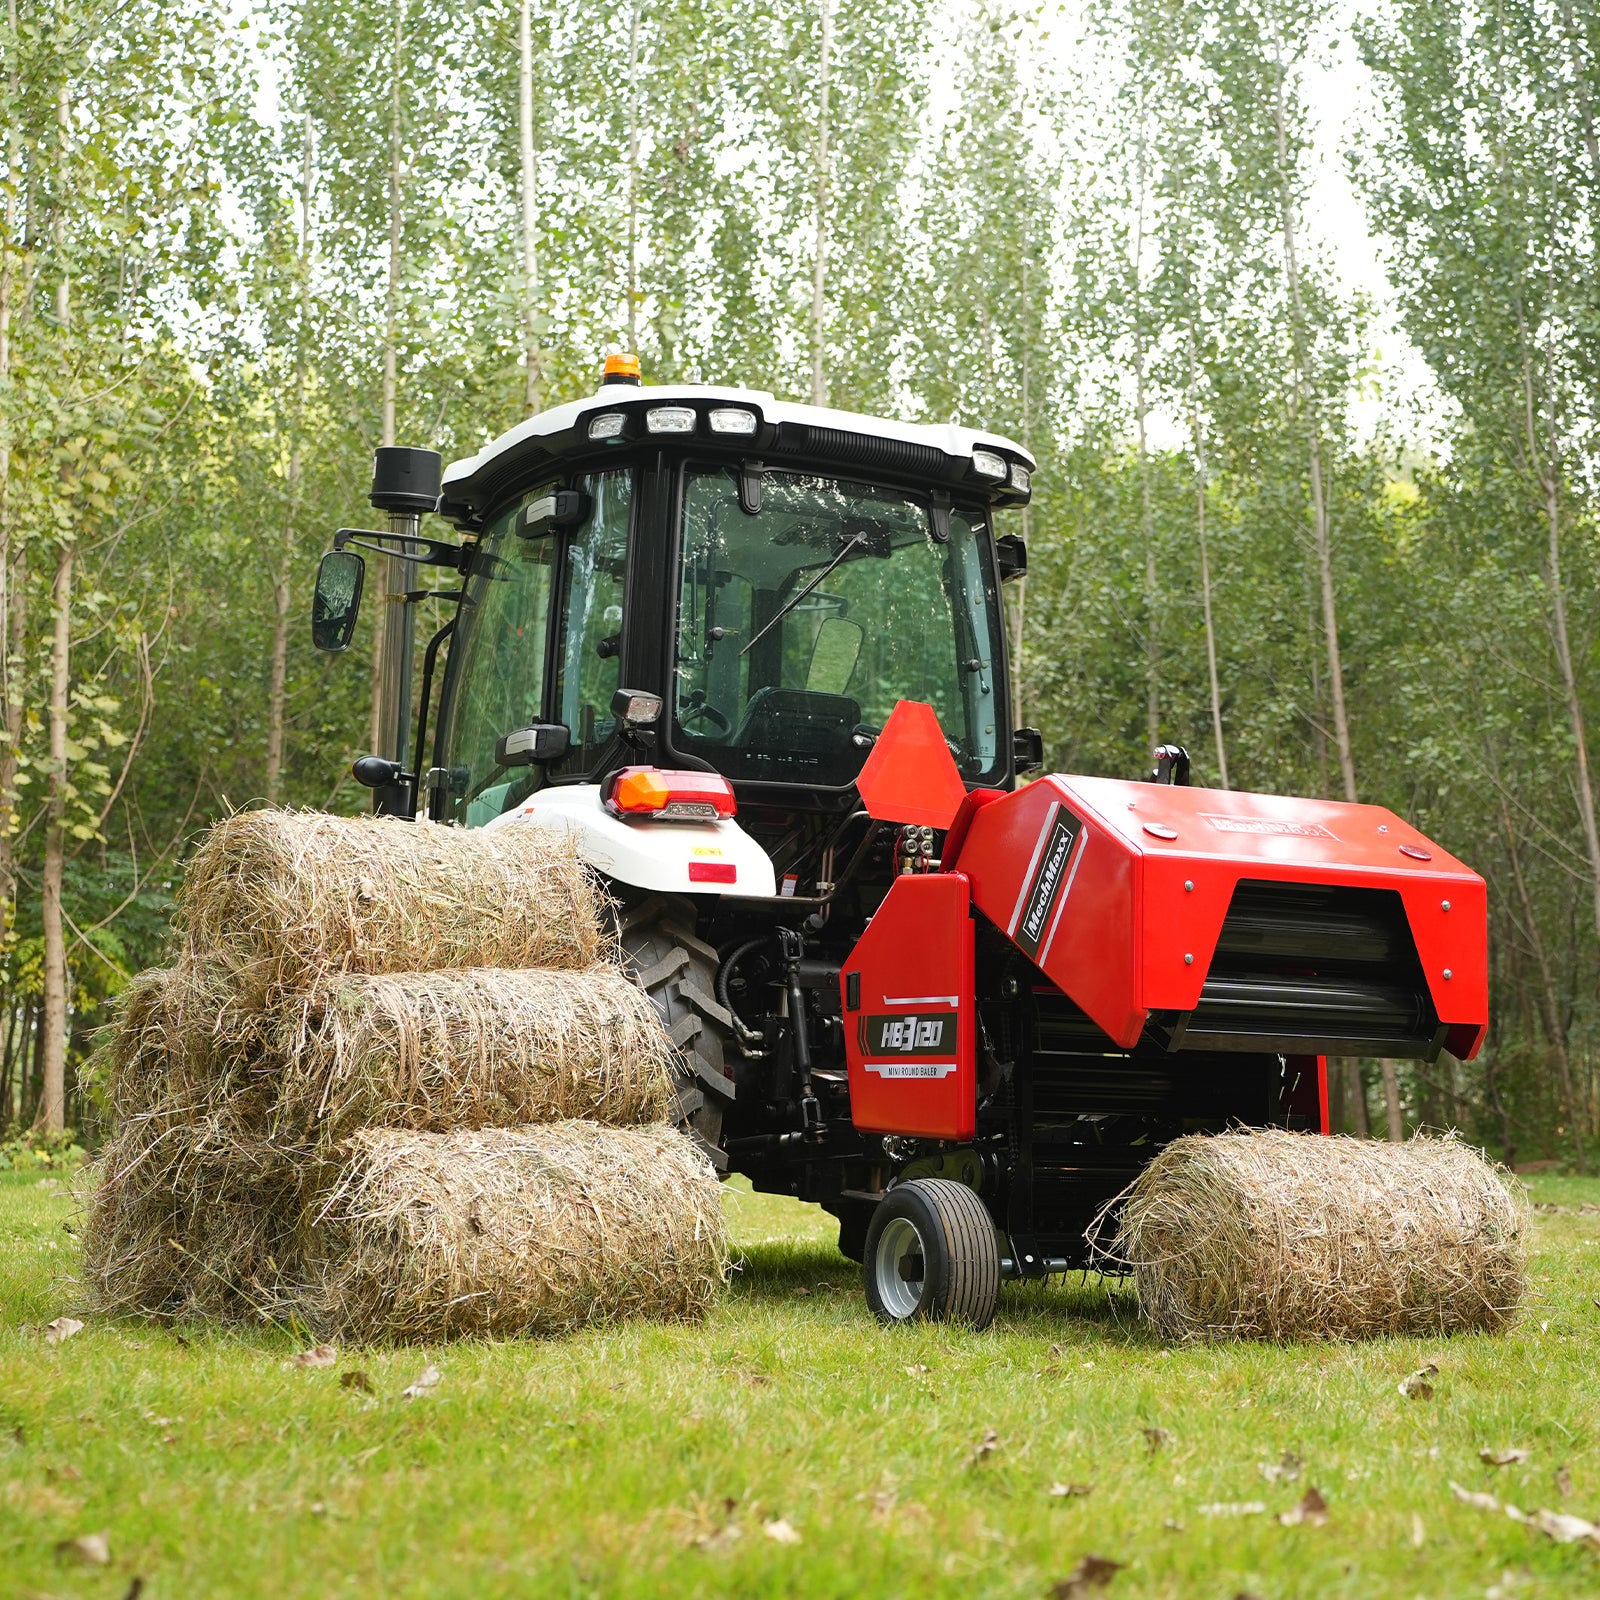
(29, 1150)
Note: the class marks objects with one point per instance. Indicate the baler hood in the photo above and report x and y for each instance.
(1218, 920)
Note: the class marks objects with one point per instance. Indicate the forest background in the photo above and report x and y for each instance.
(1337, 542)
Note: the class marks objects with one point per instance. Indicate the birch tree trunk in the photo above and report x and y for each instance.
(1391, 1101)
(1152, 595)
(819, 248)
(281, 583)
(13, 572)
(52, 1100)
(633, 177)
(391, 323)
(52, 1095)
(1198, 433)
(1309, 413)
(530, 215)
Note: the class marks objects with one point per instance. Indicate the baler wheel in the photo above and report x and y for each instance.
(679, 973)
(931, 1255)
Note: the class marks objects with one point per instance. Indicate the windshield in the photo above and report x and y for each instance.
(801, 625)
(498, 676)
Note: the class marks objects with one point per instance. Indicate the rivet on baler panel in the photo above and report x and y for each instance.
(1188, 888)
(1444, 905)
(1447, 974)
(1188, 961)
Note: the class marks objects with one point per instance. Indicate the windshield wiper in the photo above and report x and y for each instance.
(853, 542)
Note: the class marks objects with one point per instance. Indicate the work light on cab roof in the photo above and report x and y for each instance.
(750, 655)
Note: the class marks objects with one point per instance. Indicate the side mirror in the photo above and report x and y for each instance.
(337, 602)
(1011, 556)
(532, 746)
(834, 655)
(560, 508)
(1027, 749)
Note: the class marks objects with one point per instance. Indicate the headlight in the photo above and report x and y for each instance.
(988, 465)
(733, 419)
(608, 425)
(670, 419)
(1021, 478)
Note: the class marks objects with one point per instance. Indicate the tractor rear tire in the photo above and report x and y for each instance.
(679, 973)
(932, 1256)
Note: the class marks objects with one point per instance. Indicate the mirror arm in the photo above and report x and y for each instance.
(434, 552)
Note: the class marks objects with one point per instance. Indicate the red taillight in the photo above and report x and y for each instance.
(713, 872)
(673, 796)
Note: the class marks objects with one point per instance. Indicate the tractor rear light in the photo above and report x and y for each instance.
(732, 419)
(713, 872)
(1021, 478)
(670, 796)
(608, 425)
(670, 419)
(989, 465)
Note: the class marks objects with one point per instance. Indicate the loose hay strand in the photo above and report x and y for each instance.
(1278, 1235)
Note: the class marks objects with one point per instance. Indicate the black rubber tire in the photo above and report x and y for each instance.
(679, 973)
(959, 1256)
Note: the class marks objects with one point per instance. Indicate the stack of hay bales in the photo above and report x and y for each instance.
(395, 1084)
(1276, 1235)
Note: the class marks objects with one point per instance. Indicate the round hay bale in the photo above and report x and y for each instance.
(441, 1051)
(173, 1031)
(1288, 1236)
(512, 1231)
(281, 900)
(190, 1217)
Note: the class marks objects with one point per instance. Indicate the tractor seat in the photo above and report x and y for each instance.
(799, 720)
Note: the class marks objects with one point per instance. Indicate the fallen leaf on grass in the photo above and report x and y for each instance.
(1092, 1572)
(1419, 1532)
(1284, 1471)
(781, 1531)
(917, 1370)
(1471, 1497)
(1563, 1482)
(319, 1355)
(355, 1378)
(1556, 1525)
(1311, 1510)
(92, 1549)
(1172, 1525)
(986, 1447)
(1502, 1458)
(1070, 1491)
(1233, 1508)
(1415, 1385)
(62, 1329)
(1157, 1437)
(425, 1380)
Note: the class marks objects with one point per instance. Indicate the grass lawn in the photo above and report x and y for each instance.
(652, 1460)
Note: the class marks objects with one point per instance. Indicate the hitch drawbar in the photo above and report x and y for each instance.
(1174, 919)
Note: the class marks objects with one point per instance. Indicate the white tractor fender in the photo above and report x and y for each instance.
(650, 853)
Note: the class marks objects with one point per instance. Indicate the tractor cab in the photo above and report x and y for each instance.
(766, 580)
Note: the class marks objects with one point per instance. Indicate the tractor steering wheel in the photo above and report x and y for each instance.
(720, 726)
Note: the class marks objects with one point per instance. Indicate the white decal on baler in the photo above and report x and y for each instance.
(911, 1069)
(1061, 905)
(1027, 877)
(1268, 825)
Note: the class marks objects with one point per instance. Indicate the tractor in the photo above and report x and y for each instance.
(751, 656)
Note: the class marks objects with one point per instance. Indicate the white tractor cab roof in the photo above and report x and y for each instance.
(746, 424)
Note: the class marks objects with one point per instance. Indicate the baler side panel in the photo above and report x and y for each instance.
(910, 1013)
(1067, 894)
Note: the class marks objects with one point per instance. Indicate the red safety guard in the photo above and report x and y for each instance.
(909, 1025)
(910, 775)
(1118, 891)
